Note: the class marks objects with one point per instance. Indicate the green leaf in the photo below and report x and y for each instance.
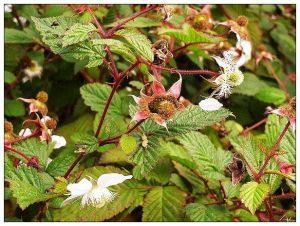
(128, 143)
(190, 177)
(188, 35)
(9, 77)
(77, 33)
(205, 154)
(95, 96)
(253, 194)
(13, 108)
(139, 22)
(274, 127)
(28, 186)
(27, 194)
(164, 204)
(33, 147)
(286, 43)
(197, 212)
(88, 142)
(14, 36)
(138, 42)
(52, 30)
(178, 153)
(84, 51)
(145, 158)
(231, 190)
(82, 124)
(117, 47)
(248, 148)
(271, 95)
(250, 86)
(60, 165)
(127, 194)
(192, 118)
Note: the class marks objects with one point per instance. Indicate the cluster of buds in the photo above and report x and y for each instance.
(43, 126)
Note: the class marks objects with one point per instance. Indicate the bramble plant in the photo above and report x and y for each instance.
(150, 113)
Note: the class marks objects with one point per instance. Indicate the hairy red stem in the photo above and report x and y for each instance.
(272, 151)
(121, 24)
(246, 131)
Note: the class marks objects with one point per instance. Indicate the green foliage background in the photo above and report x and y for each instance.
(176, 171)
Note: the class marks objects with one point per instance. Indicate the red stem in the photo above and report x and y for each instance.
(116, 139)
(100, 29)
(115, 72)
(114, 89)
(17, 152)
(173, 70)
(272, 151)
(289, 195)
(73, 165)
(246, 131)
(121, 24)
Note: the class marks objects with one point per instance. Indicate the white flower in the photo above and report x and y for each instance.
(210, 104)
(35, 70)
(95, 193)
(8, 8)
(232, 60)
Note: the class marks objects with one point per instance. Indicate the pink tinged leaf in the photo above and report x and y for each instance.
(176, 88)
(160, 121)
(136, 99)
(158, 88)
(140, 115)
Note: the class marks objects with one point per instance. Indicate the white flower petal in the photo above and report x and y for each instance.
(97, 197)
(82, 187)
(110, 179)
(59, 141)
(69, 199)
(25, 133)
(210, 104)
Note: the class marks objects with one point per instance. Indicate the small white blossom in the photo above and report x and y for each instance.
(210, 104)
(95, 193)
(230, 63)
(34, 70)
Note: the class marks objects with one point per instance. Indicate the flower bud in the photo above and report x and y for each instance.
(51, 123)
(8, 127)
(42, 96)
(242, 21)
